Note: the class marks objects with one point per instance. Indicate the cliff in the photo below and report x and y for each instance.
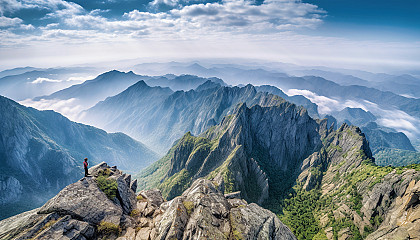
(104, 206)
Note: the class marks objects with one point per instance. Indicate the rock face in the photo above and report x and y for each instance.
(10, 189)
(41, 152)
(83, 211)
(331, 185)
(159, 117)
(238, 152)
(374, 202)
(203, 212)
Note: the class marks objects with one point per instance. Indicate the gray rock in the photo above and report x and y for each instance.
(154, 196)
(10, 189)
(133, 185)
(67, 228)
(233, 195)
(84, 200)
(125, 195)
(203, 212)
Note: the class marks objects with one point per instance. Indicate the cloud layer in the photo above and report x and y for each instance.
(391, 117)
(70, 21)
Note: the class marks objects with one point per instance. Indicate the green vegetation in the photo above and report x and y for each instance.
(105, 172)
(139, 197)
(151, 176)
(107, 228)
(175, 185)
(343, 223)
(396, 157)
(108, 186)
(134, 213)
(365, 171)
(189, 206)
(229, 181)
(320, 236)
(356, 199)
(298, 213)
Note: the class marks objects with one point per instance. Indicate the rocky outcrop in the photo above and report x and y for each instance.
(10, 189)
(397, 199)
(203, 212)
(238, 152)
(96, 206)
(41, 153)
(357, 198)
(84, 210)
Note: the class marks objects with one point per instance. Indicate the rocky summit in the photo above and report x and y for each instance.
(104, 206)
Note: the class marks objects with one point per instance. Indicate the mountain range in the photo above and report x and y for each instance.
(42, 151)
(325, 156)
(322, 182)
(157, 116)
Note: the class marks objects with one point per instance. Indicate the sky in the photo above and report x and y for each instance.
(370, 35)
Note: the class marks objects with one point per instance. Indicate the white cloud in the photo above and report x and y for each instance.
(43, 80)
(392, 118)
(224, 29)
(14, 23)
(9, 22)
(80, 79)
(69, 108)
(326, 105)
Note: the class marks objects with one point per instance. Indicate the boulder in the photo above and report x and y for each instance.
(154, 196)
(84, 200)
(202, 211)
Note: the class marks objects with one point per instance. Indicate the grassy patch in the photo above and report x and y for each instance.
(108, 186)
(107, 228)
(175, 185)
(189, 206)
(135, 213)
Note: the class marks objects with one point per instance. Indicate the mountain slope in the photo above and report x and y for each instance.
(92, 91)
(323, 183)
(42, 151)
(158, 117)
(239, 152)
(201, 212)
(354, 116)
(297, 99)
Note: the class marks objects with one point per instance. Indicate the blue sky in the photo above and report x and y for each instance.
(394, 19)
(353, 34)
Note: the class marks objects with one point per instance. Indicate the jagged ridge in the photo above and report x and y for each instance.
(84, 211)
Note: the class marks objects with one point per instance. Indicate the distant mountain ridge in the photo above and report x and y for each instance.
(158, 117)
(42, 151)
(26, 83)
(82, 96)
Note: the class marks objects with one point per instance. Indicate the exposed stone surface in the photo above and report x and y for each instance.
(10, 189)
(82, 211)
(203, 212)
(77, 211)
(154, 196)
(403, 218)
(232, 152)
(382, 201)
(84, 200)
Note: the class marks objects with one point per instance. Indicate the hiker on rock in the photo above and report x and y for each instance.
(85, 164)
